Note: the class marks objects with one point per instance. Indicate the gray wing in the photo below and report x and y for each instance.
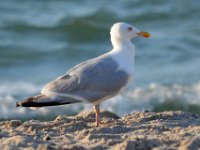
(91, 81)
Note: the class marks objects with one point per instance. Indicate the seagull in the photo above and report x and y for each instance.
(95, 80)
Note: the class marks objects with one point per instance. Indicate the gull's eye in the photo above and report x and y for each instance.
(130, 28)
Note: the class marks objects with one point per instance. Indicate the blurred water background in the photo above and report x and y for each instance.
(40, 40)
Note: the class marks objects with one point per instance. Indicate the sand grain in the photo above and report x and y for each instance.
(139, 130)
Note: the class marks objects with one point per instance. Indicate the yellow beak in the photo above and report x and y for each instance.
(144, 34)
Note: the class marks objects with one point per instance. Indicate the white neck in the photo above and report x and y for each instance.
(123, 44)
(124, 52)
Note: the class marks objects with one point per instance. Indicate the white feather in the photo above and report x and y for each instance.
(34, 108)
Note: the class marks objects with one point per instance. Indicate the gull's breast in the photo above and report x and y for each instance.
(125, 62)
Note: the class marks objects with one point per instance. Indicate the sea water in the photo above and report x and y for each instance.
(41, 40)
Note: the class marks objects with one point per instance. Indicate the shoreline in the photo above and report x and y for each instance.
(139, 130)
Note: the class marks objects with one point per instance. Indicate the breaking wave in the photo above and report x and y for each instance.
(154, 97)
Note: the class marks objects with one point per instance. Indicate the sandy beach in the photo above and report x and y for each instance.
(139, 130)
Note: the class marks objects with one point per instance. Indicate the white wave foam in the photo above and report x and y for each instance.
(18, 88)
(147, 98)
(138, 99)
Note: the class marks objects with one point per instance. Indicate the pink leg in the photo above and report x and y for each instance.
(97, 109)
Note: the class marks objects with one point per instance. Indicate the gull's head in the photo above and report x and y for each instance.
(123, 31)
